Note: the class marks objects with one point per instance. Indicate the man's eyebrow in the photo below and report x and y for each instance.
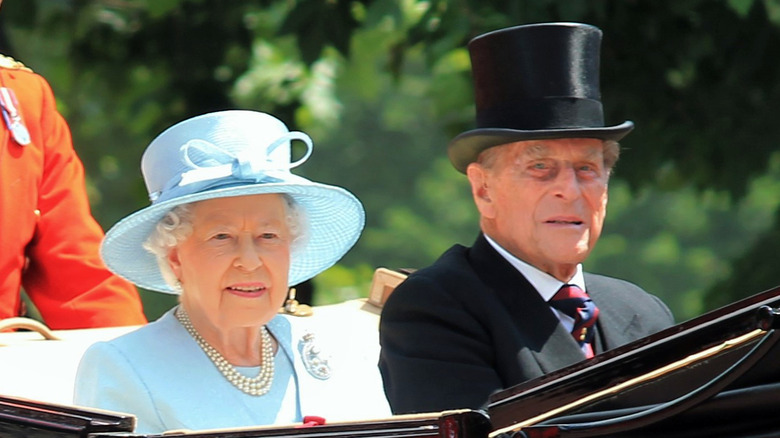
(595, 153)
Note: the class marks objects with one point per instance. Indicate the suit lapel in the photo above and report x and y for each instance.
(313, 393)
(614, 327)
(551, 346)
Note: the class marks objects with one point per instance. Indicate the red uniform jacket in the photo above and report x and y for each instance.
(49, 241)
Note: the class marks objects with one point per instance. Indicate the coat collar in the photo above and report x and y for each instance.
(292, 339)
(616, 324)
(551, 345)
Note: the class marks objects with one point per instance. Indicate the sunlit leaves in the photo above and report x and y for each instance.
(383, 85)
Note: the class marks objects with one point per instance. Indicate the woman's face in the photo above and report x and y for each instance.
(233, 267)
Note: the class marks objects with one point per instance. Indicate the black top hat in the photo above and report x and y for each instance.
(536, 81)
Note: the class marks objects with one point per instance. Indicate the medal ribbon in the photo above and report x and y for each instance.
(12, 116)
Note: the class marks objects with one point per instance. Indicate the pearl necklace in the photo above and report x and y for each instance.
(258, 385)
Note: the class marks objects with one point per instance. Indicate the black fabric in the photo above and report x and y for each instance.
(535, 81)
(543, 64)
(471, 324)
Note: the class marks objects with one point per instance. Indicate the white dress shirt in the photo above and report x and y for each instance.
(544, 283)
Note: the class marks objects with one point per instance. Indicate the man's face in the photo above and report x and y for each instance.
(543, 200)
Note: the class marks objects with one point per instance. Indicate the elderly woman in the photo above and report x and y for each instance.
(229, 229)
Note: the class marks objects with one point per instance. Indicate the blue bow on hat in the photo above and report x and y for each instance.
(211, 165)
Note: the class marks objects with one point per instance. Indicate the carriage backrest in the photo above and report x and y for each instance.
(37, 368)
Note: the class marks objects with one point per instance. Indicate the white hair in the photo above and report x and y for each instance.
(176, 226)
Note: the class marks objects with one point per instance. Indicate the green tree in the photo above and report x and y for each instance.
(383, 85)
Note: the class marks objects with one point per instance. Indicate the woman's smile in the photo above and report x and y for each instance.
(247, 290)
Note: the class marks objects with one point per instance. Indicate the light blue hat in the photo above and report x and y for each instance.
(232, 153)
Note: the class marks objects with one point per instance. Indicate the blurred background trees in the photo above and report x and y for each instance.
(383, 85)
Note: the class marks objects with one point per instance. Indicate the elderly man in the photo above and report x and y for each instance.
(517, 304)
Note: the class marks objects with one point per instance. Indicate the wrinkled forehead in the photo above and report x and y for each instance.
(572, 148)
(580, 147)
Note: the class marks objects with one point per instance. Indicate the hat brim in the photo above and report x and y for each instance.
(466, 147)
(335, 219)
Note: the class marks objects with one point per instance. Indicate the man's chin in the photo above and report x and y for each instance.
(568, 252)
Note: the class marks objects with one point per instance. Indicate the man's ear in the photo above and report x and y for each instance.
(479, 177)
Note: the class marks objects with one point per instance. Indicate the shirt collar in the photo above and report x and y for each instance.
(544, 283)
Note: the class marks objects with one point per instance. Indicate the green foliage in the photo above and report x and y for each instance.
(341, 283)
(383, 85)
(680, 244)
(323, 23)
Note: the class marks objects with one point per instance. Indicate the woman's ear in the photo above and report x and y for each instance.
(174, 261)
(479, 178)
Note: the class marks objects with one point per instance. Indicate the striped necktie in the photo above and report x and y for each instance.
(574, 302)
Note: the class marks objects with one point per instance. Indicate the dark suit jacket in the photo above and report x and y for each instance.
(471, 324)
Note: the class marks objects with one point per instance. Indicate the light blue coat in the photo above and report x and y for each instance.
(159, 374)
